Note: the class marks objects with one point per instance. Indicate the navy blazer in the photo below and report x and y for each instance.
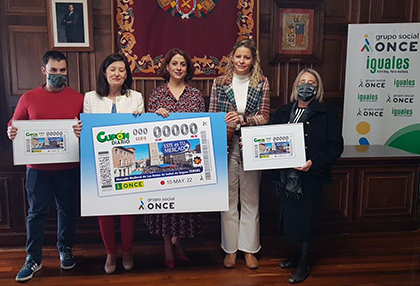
(323, 140)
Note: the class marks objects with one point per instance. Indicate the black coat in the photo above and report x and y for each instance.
(323, 140)
(324, 144)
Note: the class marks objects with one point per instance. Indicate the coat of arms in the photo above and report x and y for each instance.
(187, 8)
(296, 26)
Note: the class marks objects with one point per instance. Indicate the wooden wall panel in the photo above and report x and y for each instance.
(265, 38)
(264, 48)
(392, 11)
(338, 11)
(5, 180)
(27, 45)
(338, 14)
(364, 11)
(386, 191)
(25, 7)
(416, 12)
(102, 7)
(333, 65)
(20, 203)
(4, 79)
(12, 214)
(102, 40)
(336, 202)
(73, 70)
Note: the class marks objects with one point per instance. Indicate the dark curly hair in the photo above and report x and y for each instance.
(167, 59)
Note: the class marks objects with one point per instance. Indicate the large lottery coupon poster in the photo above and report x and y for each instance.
(148, 164)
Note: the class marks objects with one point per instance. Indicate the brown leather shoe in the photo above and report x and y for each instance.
(230, 260)
(251, 261)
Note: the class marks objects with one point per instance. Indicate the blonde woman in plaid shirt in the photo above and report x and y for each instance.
(243, 93)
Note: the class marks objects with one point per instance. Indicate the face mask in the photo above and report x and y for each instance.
(57, 80)
(306, 91)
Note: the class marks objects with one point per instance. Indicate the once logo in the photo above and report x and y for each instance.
(371, 112)
(129, 185)
(403, 100)
(161, 206)
(368, 84)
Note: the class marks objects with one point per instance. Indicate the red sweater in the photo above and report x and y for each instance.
(41, 104)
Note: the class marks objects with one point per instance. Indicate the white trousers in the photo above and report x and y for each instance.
(241, 230)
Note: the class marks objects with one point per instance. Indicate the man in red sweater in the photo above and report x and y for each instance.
(53, 100)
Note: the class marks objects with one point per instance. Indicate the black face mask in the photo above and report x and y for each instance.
(306, 91)
(57, 80)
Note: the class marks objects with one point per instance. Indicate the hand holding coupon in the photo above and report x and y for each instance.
(44, 141)
(152, 164)
(277, 146)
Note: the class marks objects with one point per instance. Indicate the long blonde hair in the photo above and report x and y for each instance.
(320, 88)
(255, 71)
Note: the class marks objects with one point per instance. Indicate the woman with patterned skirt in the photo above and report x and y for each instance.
(175, 95)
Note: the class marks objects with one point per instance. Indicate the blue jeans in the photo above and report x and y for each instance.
(40, 186)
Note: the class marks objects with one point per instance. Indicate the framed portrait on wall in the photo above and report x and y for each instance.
(70, 25)
(297, 31)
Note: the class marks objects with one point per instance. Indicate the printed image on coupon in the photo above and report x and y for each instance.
(46, 142)
(160, 162)
(273, 147)
(160, 159)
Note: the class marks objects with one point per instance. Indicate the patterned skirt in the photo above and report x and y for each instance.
(181, 225)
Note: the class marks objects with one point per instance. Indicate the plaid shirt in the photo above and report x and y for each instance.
(257, 110)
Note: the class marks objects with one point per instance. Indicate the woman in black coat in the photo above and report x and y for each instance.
(300, 188)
